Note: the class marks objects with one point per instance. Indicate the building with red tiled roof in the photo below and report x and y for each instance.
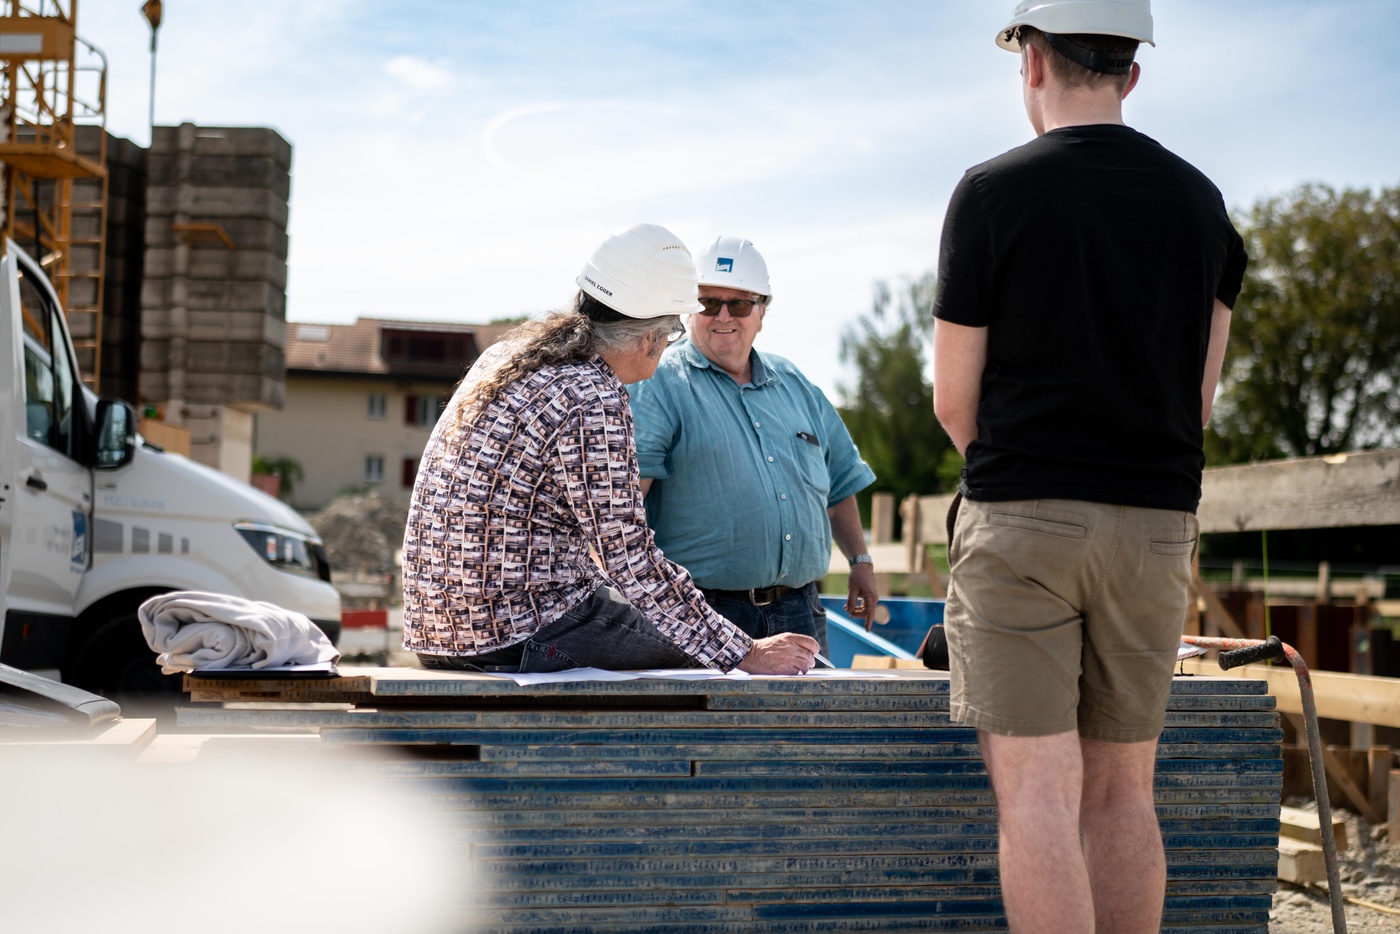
(362, 400)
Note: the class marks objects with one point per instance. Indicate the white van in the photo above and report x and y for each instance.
(93, 520)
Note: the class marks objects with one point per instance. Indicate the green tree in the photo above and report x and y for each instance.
(1314, 357)
(889, 409)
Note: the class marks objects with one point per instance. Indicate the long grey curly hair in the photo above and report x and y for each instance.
(586, 330)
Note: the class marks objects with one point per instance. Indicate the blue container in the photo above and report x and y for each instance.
(846, 639)
(910, 619)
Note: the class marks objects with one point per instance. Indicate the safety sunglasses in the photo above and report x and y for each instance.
(738, 307)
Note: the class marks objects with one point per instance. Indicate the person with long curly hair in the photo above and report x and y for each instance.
(527, 547)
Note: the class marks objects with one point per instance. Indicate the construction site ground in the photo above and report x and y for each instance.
(1370, 871)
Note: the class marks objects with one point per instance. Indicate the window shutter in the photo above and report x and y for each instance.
(410, 412)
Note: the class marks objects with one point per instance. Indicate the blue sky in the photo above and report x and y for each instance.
(460, 160)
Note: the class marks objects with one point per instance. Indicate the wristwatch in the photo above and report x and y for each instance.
(862, 559)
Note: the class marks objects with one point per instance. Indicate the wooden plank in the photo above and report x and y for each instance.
(870, 662)
(1310, 493)
(1380, 760)
(1255, 818)
(933, 519)
(1394, 818)
(1216, 615)
(641, 735)
(586, 719)
(739, 752)
(888, 558)
(1305, 826)
(1338, 696)
(1299, 862)
(882, 518)
(124, 737)
(1340, 774)
(383, 684)
(168, 748)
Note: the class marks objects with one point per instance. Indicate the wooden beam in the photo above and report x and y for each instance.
(1216, 614)
(882, 518)
(1297, 824)
(1300, 863)
(891, 558)
(1380, 759)
(1310, 493)
(933, 516)
(913, 545)
(1339, 696)
(1337, 771)
(1394, 806)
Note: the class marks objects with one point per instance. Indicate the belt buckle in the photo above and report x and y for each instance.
(753, 596)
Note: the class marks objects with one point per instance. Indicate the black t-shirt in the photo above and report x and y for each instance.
(1093, 256)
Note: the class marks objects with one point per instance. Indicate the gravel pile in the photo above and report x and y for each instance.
(361, 532)
(1370, 871)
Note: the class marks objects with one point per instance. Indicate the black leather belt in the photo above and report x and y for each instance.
(758, 596)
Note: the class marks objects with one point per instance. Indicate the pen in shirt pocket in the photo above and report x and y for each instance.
(810, 439)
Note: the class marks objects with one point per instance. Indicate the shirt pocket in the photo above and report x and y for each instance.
(811, 465)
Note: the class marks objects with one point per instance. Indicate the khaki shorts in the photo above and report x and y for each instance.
(1066, 615)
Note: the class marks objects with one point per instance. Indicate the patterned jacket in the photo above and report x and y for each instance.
(506, 509)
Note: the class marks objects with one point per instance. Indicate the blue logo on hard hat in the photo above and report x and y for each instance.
(722, 264)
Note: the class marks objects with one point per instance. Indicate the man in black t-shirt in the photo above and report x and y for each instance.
(1083, 305)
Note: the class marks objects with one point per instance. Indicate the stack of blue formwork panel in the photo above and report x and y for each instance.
(769, 804)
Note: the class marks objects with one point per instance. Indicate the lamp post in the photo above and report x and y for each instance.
(151, 9)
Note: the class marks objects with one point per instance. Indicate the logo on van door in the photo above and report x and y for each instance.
(79, 552)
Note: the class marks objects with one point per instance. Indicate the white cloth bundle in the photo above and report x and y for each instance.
(189, 629)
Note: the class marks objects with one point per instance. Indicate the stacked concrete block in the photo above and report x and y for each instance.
(214, 297)
(125, 250)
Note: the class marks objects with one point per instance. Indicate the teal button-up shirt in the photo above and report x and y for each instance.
(742, 475)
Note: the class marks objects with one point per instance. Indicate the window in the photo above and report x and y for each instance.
(378, 405)
(425, 347)
(50, 378)
(374, 469)
(410, 472)
(423, 410)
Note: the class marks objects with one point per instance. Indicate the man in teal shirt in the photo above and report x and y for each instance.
(749, 472)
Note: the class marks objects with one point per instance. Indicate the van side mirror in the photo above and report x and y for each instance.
(116, 434)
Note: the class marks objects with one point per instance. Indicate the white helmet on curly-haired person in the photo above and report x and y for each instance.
(644, 271)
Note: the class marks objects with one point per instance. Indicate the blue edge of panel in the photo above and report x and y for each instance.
(900, 637)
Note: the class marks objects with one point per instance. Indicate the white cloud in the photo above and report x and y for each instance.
(417, 74)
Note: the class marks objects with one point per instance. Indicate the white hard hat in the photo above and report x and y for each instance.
(1131, 19)
(644, 271)
(734, 263)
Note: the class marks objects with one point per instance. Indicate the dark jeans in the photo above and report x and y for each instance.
(800, 611)
(604, 631)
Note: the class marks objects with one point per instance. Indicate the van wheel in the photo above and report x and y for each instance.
(117, 663)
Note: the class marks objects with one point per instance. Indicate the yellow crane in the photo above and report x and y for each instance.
(53, 145)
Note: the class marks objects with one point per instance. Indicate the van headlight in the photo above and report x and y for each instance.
(284, 550)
